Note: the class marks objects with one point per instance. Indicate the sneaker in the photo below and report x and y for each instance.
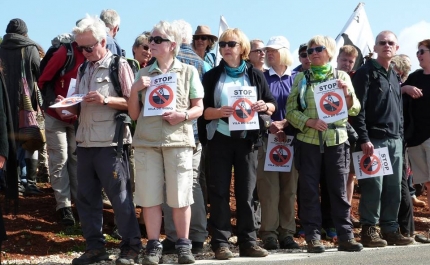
(422, 238)
(153, 255)
(223, 253)
(270, 243)
(395, 238)
(315, 246)
(197, 247)
(288, 243)
(371, 237)
(351, 245)
(253, 251)
(330, 234)
(127, 256)
(168, 246)
(91, 256)
(66, 216)
(184, 255)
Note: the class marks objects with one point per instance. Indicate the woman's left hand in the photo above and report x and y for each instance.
(342, 85)
(173, 117)
(259, 106)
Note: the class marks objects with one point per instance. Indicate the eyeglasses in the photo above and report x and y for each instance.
(383, 43)
(200, 38)
(317, 49)
(421, 51)
(259, 51)
(88, 49)
(303, 55)
(230, 44)
(145, 47)
(157, 39)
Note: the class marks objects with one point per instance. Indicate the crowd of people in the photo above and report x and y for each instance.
(177, 164)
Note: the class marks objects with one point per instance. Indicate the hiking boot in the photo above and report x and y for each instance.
(253, 251)
(355, 222)
(371, 237)
(66, 216)
(288, 243)
(422, 238)
(91, 256)
(42, 175)
(223, 253)
(330, 234)
(395, 238)
(270, 243)
(127, 256)
(350, 245)
(168, 246)
(197, 247)
(315, 246)
(32, 189)
(184, 255)
(153, 253)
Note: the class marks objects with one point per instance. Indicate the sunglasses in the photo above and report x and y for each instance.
(88, 49)
(303, 55)
(421, 51)
(157, 39)
(383, 43)
(259, 51)
(317, 49)
(145, 47)
(200, 38)
(230, 44)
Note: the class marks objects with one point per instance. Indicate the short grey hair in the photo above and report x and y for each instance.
(93, 24)
(110, 17)
(185, 29)
(170, 32)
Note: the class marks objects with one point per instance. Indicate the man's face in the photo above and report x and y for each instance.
(386, 46)
(304, 60)
(93, 50)
(257, 54)
(345, 62)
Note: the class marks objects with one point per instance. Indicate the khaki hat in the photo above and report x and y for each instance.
(203, 30)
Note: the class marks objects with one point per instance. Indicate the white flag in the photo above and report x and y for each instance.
(222, 27)
(357, 32)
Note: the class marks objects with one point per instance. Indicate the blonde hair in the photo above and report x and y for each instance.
(326, 41)
(402, 64)
(243, 41)
(348, 50)
(285, 58)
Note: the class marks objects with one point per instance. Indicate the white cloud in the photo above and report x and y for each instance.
(409, 38)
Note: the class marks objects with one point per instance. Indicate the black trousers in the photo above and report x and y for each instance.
(406, 210)
(224, 154)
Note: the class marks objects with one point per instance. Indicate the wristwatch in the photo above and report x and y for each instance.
(186, 116)
(105, 100)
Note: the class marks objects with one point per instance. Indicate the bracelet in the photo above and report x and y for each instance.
(267, 108)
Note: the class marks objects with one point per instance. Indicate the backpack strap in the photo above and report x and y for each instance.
(70, 60)
(113, 74)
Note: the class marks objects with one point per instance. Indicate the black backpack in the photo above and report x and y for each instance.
(48, 89)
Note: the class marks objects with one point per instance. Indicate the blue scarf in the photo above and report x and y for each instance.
(235, 72)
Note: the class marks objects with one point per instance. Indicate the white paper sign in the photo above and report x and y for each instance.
(72, 87)
(379, 164)
(330, 102)
(160, 95)
(244, 118)
(279, 155)
(70, 101)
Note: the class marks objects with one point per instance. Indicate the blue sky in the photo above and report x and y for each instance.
(298, 21)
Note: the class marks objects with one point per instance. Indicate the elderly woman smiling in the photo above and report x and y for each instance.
(164, 144)
(314, 157)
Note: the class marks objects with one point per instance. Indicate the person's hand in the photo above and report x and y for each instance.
(367, 148)
(413, 91)
(173, 117)
(2, 161)
(277, 126)
(259, 106)
(282, 137)
(59, 98)
(342, 85)
(225, 111)
(317, 124)
(93, 97)
(141, 83)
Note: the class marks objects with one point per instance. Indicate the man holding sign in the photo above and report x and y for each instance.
(380, 124)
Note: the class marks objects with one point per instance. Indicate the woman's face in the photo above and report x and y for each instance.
(423, 56)
(273, 57)
(201, 42)
(163, 49)
(232, 55)
(318, 56)
(142, 53)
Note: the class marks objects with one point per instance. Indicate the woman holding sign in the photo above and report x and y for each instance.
(164, 142)
(322, 144)
(233, 148)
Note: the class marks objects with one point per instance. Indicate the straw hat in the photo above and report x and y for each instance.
(203, 30)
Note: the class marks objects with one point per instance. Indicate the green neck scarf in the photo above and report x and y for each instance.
(320, 72)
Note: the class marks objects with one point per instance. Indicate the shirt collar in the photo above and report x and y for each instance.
(287, 72)
(177, 65)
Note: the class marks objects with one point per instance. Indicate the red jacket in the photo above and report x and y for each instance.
(54, 65)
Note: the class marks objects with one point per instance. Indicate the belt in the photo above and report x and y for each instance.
(333, 127)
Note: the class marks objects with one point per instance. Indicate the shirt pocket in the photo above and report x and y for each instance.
(102, 127)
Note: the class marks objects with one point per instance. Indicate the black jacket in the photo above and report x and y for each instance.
(210, 80)
(381, 114)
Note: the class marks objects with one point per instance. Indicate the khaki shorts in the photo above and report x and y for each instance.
(156, 166)
(419, 156)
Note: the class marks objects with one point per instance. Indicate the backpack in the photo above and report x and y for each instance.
(48, 90)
